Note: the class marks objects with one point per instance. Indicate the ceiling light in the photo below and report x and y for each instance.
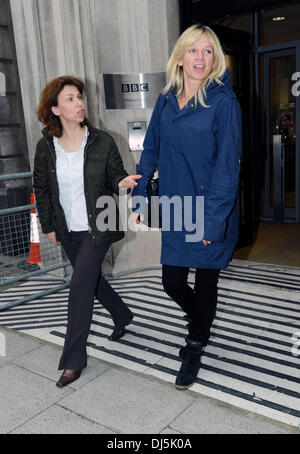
(278, 18)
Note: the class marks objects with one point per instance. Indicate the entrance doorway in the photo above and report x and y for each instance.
(263, 50)
(236, 45)
(277, 235)
(280, 197)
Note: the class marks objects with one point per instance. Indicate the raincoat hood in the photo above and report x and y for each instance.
(214, 88)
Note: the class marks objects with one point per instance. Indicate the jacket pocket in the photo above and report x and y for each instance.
(96, 164)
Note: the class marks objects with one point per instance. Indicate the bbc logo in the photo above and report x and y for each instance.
(134, 88)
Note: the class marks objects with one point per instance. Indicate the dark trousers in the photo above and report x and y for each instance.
(86, 283)
(199, 303)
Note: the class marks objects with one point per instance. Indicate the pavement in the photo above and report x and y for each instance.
(106, 399)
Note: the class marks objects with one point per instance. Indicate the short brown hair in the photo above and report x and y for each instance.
(49, 98)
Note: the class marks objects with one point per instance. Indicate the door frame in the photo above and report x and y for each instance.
(269, 212)
(277, 50)
(238, 43)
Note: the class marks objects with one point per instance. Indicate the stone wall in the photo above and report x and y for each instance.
(86, 38)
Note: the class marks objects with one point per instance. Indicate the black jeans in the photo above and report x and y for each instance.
(86, 283)
(199, 303)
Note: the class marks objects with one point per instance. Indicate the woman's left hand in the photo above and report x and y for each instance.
(129, 182)
(206, 243)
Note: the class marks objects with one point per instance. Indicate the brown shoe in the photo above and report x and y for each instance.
(67, 377)
(117, 334)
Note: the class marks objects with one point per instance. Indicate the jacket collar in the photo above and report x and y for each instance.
(213, 89)
(190, 108)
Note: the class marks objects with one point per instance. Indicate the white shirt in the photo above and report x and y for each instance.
(69, 171)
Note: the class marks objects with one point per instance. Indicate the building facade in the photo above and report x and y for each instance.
(133, 39)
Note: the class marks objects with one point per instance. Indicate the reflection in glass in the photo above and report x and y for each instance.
(279, 31)
(283, 122)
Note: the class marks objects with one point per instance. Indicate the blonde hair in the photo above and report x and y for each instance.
(185, 42)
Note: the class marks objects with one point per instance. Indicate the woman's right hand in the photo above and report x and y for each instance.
(52, 238)
(137, 218)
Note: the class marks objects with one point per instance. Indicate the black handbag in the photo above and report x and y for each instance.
(153, 216)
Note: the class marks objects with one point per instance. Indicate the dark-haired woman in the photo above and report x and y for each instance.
(74, 165)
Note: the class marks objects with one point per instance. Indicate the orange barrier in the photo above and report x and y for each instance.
(34, 252)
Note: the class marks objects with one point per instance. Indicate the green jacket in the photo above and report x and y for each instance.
(103, 169)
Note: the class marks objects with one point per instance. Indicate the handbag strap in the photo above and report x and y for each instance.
(158, 148)
(164, 105)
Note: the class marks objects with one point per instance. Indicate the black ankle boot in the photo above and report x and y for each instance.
(190, 355)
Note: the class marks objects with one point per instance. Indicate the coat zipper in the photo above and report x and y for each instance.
(54, 171)
(84, 179)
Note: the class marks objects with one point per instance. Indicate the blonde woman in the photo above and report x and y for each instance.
(196, 124)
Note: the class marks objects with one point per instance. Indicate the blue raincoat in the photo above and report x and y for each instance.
(199, 155)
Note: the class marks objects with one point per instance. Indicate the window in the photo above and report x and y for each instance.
(241, 21)
(280, 23)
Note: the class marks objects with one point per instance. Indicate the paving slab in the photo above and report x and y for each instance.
(58, 420)
(169, 431)
(15, 345)
(44, 361)
(127, 402)
(210, 417)
(24, 395)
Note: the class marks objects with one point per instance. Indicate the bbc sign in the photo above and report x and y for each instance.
(132, 91)
(134, 88)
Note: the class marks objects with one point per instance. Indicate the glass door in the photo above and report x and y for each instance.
(279, 191)
(236, 45)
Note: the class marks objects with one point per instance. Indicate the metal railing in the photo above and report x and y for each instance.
(25, 253)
